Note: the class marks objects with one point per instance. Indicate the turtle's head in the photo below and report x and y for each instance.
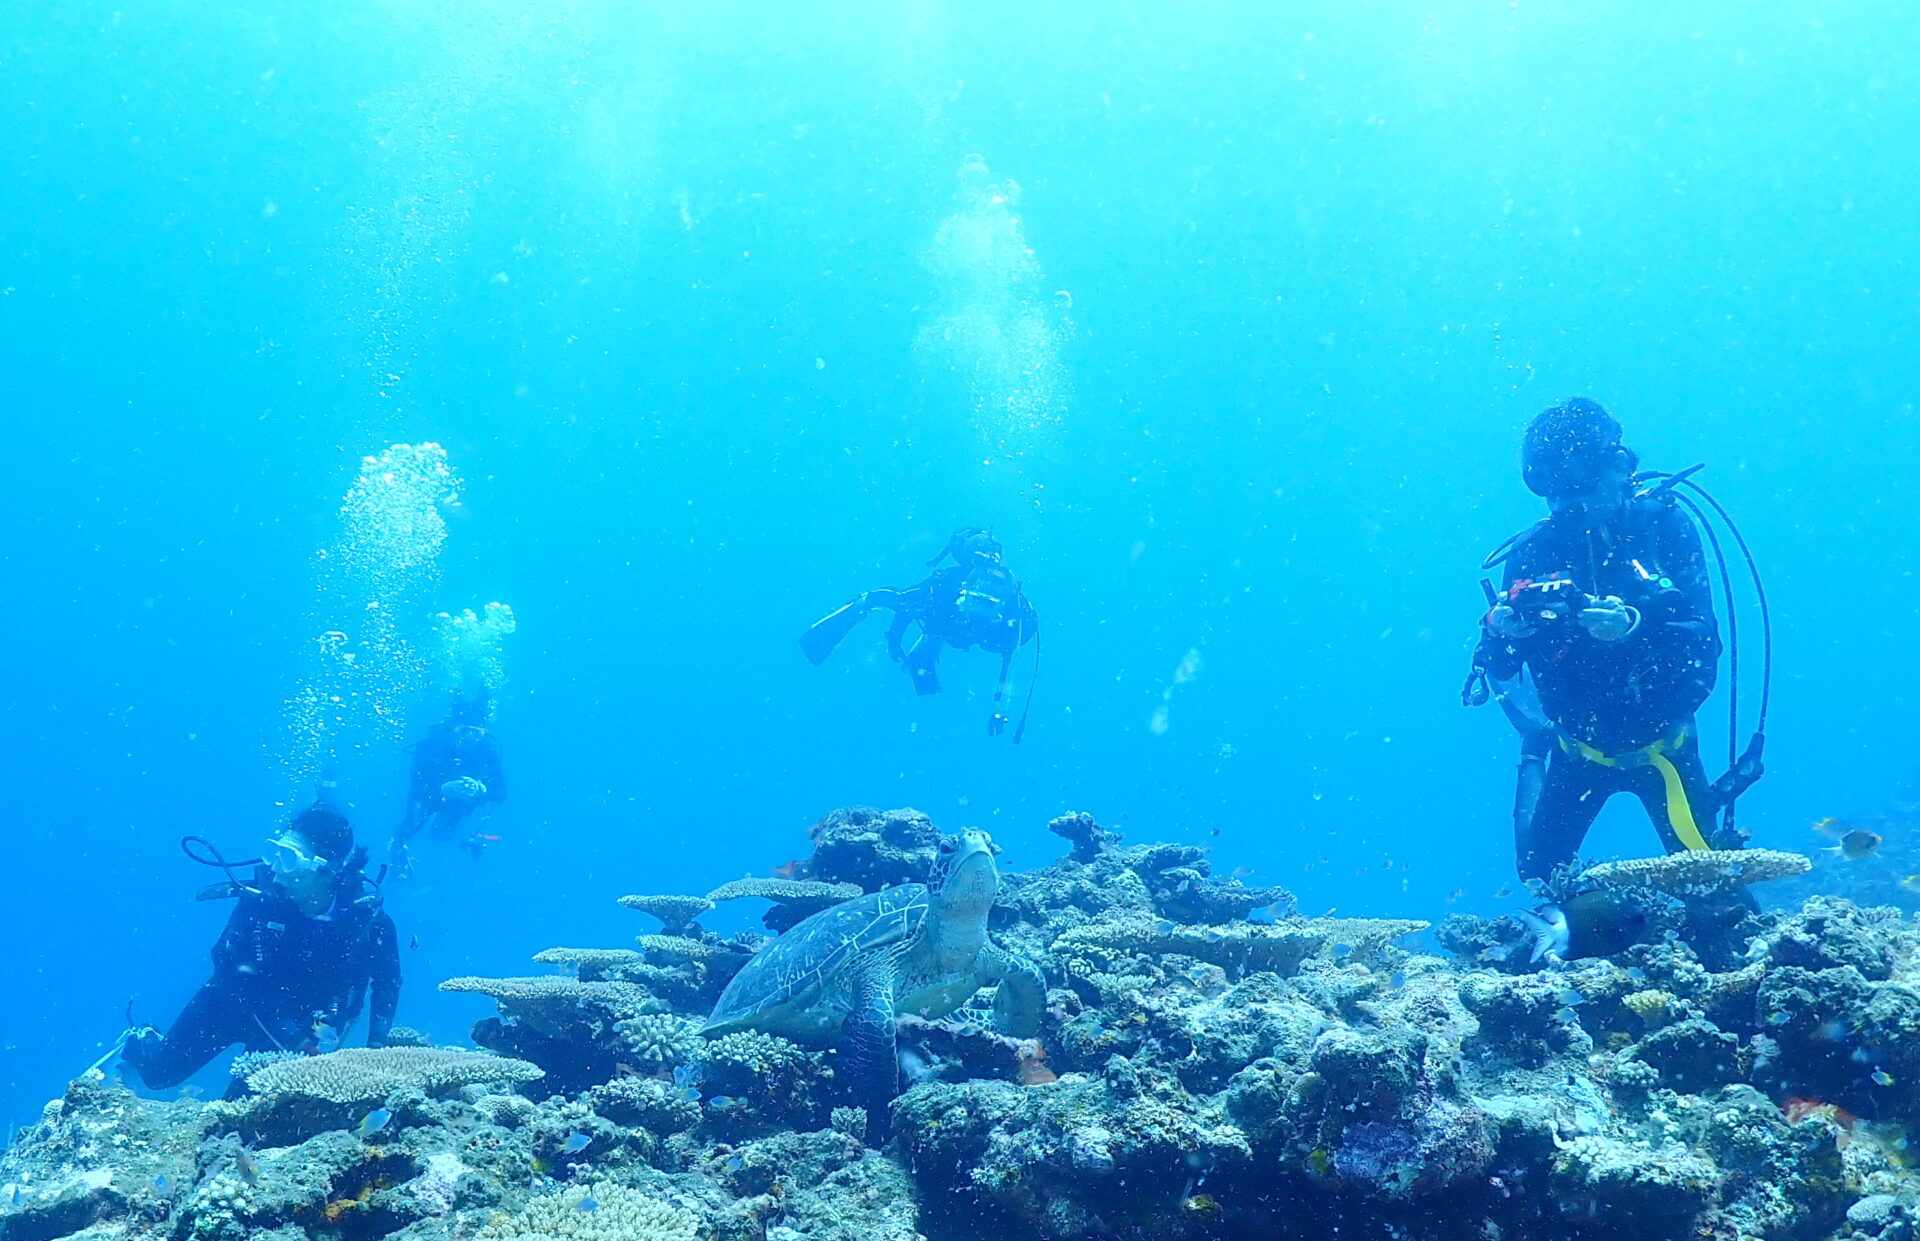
(964, 879)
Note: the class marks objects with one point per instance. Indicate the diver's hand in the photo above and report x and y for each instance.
(1608, 618)
(1506, 621)
(463, 788)
(996, 725)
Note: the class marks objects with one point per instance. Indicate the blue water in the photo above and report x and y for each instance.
(673, 290)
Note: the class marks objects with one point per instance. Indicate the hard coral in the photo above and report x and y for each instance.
(595, 1211)
(794, 900)
(1088, 838)
(368, 1074)
(1691, 873)
(872, 849)
(558, 1006)
(675, 912)
(660, 1040)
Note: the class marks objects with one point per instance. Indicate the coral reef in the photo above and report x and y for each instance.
(1198, 1078)
(1699, 872)
(793, 899)
(1088, 838)
(676, 913)
(871, 849)
(367, 1074)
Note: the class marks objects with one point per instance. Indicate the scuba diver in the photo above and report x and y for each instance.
(456, 771)
(305, 950)
(1602, 643)
(972, 602)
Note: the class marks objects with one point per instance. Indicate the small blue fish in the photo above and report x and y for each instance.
(683, 1075)
(374, 1121)
(1566, 1016)
(575, 1143)
(687, 1094)
(1636, 973)
(162, 1184)
(587, 1204)
(1835, 1029)
(248, 1167)
(725, 1103)
(14, 1195)
(735, 1164)
(1163, 927)
(1398, 980)
(1343, 950)
(1569, 996)
(1882, 1078)
(1779, 1019)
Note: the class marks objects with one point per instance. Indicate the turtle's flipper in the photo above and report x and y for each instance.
(867, 1037)
(1022, 996)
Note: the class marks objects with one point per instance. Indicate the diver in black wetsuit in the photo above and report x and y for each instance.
(1602, 644)
(456, 771)
(305, 951)
(972, 602)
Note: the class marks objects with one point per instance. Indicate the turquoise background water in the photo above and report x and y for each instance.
(717, 333)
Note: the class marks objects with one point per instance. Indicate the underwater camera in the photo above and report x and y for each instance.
(1548, 601)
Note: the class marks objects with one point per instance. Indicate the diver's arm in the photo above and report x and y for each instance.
(383, 944)
(1689, 606)
(233, 951)
(1674, 625)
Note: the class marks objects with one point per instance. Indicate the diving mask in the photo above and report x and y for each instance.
(287, 855)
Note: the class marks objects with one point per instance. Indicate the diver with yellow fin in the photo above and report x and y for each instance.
(972, 602)
(1603, 642)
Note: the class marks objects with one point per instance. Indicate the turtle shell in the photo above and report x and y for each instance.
(800, 970)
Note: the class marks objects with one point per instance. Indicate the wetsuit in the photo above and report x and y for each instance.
(963, 607)
(443, 756)
(279, 976)
(1618, 716)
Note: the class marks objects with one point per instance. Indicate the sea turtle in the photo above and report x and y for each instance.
(842, 976)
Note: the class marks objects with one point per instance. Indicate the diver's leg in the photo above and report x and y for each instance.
(411, 822)
(447, 820)
(1682, 809)
(923, 665)
(1531, 780)
(1571, 795)
(825, 635)
(215, 1018)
